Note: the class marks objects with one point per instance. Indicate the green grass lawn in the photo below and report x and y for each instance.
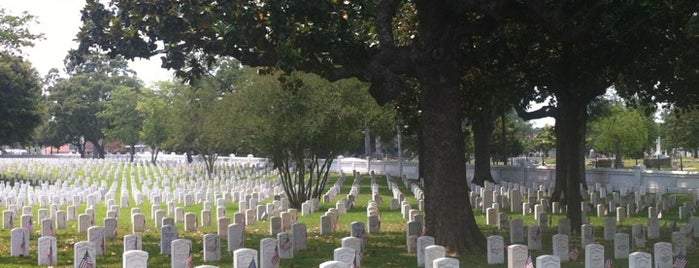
(386, 249)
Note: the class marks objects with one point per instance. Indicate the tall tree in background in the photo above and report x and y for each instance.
(15, 34)
(302, 122)
(20, 86)
(621, 132)
(683, 130)
(545, 141)
(20, 95)
(76, 101)
(123, 120)
(157, 120)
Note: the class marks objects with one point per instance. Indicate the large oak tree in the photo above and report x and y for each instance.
(336, 39)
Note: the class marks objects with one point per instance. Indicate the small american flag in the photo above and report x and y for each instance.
(609, 263)
(50, 255)
(275, 257)
(573, 254)
(23, 245)
(190, 259)
(680, 261)
(86, 262)
(529, 263)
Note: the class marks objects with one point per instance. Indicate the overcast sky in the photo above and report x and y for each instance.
(59, 21)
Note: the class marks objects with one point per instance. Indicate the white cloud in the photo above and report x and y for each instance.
(59, 21)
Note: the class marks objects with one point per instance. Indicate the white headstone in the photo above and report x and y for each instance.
(594, 256)
(640, 260)
(432, 253)
(516, 231)
(236, 237)
(300, 235)
(517, 255)
(548, 261)
(95, 234)
(168, 233)
(212, 247)
(534, 237)
(138, 222)
(244, 258)
(269, 253)
(133, 242)
(662, 254)
(445, 263)
(496, 249)
(561, 247)
(135, 259)
(181, 255)
(334, 264)
(84, 255)
(47, 251)
(609, 228)
(345, 255)
(621, 246)
(422, 243)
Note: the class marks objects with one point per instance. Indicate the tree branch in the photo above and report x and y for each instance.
(542, 112)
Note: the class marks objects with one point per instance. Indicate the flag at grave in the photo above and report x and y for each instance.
(190, 258)
(23, 245)
(573, 255)
(609, 263)
(252, 264)
(680, 261)
(85, 262)
(529, 263)
(275, 258)
(50, 255)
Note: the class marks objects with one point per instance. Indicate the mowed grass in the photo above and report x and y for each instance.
(386, 249)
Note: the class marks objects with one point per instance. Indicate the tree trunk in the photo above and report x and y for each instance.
(504, 136)
(482, 125)
(188, 155)
(618, 162)
(132, 152)
(448, 212)
(367, 142)
(154, 155)
(98, 149)
(209, 160)
(570, 172)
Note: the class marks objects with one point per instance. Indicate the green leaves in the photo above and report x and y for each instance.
(14, 32)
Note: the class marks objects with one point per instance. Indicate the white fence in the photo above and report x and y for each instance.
(629, 179)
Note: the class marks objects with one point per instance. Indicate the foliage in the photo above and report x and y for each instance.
(579, 49)
(123, 119)
(683, 130)
(623, 131)
(198, 117)
(302, 122)
(20, 99)
(14, 32)
(76, 101)
(157, 120)
(515, 132)
(545, 140)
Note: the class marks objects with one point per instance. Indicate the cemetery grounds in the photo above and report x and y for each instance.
(385, 249)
